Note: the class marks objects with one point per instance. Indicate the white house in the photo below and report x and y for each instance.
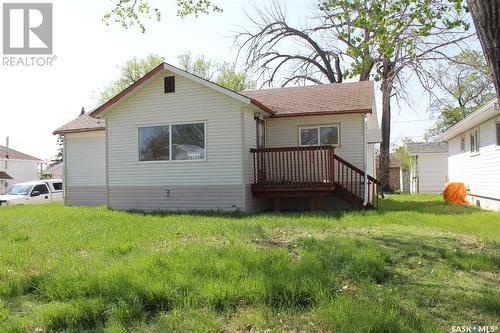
(174, 141)
(55, 171)
(17, 167)
(430, 172)
(474, 155)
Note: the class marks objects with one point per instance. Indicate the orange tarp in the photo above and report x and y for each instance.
(455, 193)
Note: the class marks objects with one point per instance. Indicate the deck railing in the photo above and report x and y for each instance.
(293, 169)
(349, 180)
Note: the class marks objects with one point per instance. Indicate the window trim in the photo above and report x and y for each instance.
(477, 142)
(463, 148)
(170, 160)
(318, 127)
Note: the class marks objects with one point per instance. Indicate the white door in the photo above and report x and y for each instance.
(39, 194)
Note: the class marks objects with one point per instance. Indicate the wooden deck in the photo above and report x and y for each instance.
(309, 172)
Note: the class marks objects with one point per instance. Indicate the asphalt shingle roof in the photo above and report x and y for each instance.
(4, 175)
(83, 123)
(323, 98)
(16, 155)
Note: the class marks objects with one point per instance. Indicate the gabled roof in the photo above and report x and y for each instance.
(417, 148)
(4, 175)
(333, 98)
(485, 113)
(17, 155)
(84, 123)
(180, 72)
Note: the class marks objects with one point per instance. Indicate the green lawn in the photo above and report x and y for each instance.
(414, 265)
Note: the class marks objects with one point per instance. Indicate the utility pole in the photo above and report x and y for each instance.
(6, 152)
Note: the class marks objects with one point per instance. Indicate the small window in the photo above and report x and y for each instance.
(498, 133)
(462, 144)
(42, 189)
(172, 142)
(474, 141)
(169, 84)
(321, 135)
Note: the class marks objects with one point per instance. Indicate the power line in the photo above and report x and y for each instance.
(410, 121)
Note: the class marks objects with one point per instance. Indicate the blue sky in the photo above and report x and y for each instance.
(36, 100)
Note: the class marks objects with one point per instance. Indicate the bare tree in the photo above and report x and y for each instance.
(362, 39)
(264, 45)
(486, 17)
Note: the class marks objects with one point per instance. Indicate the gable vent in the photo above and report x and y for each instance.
(169, 84)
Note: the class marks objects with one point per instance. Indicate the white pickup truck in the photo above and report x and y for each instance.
(33, 192)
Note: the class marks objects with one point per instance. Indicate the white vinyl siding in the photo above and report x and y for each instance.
(191, 103)
(480, 173)
(85, 168)
(85, 159)
(432, 172)
(20, 170)
(284, 132)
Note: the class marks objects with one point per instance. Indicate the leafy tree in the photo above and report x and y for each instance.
(130, 72)
(226, 75)
(464, 86)
(233, 79)
(378, 39)
(402, 155)
(198, 65)
(223, 74)
(130, 13)
(60, 152)
(486, 17)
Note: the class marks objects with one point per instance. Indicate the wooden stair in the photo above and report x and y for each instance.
(349, 181)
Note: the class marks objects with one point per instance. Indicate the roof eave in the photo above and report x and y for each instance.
(262, 106)
(321, 113)
(468, 122)
(78, 130)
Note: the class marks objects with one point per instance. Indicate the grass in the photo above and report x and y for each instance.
(415, 265)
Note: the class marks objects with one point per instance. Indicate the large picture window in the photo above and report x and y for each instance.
(172, 142)
(319, 135)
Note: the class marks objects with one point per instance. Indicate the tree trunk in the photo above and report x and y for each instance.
(385, 146)
(486, 17)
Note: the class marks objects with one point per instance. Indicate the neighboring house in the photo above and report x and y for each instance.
(173, 141)
(474, 155)
(55, 171)
(430, 172)
(17, 167)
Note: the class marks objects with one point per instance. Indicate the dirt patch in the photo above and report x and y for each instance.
(471, 243)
